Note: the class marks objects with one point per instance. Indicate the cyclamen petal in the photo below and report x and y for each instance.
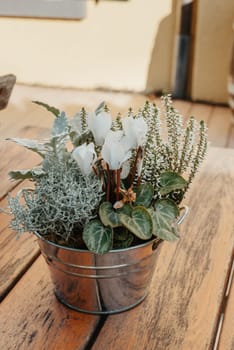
(125, 169)
(100, 125)
(135, 130)
(113, 150)
(85, 156)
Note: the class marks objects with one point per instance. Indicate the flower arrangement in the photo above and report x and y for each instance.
(106, 184)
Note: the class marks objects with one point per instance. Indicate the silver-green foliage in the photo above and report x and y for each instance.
(62, 200)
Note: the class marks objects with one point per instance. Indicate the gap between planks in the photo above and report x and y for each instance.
(224, 304)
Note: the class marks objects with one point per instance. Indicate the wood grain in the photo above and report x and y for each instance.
(227, 334)
(16, 254)
(202, 111)
(219, 124)
(230, 140)
(14, 156)
(184, 107)
(32, 318)
(182, 309)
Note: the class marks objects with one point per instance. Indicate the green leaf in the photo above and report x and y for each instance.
(139, 223)
(144, 194)
(164, 219)
(108, 215)
(126, 209)
(170, 181)
(169, 208)
(60, 125)
(100, 107)
(49, 108)
(30, 144)
(123, 239)
(57, 146)
(98, 238)
(25, 174)
(122, 233)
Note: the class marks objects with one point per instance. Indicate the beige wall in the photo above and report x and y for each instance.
(213, 38)
(120, 45)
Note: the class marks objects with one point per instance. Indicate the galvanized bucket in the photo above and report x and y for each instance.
(101, 284)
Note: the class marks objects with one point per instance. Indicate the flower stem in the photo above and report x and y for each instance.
(117, 184)
(134, 167)
(108, 183)
(138, 181)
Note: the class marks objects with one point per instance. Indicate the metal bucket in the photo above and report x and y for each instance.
(101, 284)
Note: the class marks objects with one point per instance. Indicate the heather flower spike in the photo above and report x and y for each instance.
(135, 130)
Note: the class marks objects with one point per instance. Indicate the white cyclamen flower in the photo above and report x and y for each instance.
(100, 125)
(85, 156)
(113, 150)
(126, 166)
(135, 131)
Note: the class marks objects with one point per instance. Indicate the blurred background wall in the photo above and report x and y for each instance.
(123, 45)
(110, 48)
(213, 36)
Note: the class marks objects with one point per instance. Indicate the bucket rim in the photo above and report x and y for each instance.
(149, 242)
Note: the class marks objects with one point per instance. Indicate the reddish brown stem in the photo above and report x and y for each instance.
(134, 167)
(108, 183)
(94, 170)
(117, 184)
(139, 181)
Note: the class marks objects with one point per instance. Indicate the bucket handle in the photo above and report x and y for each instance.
(183, 216)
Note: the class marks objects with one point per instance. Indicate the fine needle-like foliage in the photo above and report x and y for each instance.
(173, 147)
(105, 184)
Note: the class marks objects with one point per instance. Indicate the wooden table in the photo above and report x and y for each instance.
(191, 300)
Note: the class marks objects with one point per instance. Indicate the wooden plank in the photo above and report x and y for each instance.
(226, 341)
(184, 107)
(219, 125)
(17, 119)
(201, 111)
(17, 157)
(182, 309)
(68, 100)
(16, 254)
(16, 257)
(25, 120)
(32, 318)
(230, 141)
